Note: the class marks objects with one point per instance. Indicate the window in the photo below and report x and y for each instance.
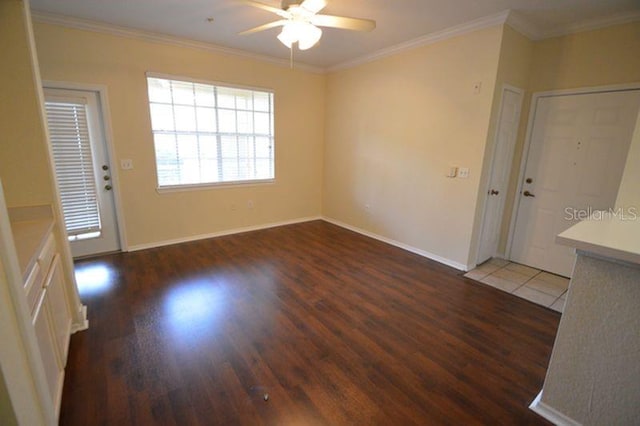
(205, 134)
(71, 147)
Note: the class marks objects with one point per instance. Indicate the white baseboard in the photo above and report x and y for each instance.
(423, 253)
(550, 413)
(395, 243)
(82, 325)
(190, 238)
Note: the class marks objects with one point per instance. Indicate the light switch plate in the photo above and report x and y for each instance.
(126, 164)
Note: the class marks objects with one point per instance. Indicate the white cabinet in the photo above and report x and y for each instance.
(51, 315)
(45, 335)
(59, 308)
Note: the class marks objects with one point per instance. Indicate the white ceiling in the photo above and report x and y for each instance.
(398, 21)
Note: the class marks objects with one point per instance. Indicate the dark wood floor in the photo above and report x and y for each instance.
(335, 327)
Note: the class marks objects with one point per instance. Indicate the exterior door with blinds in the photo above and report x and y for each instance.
(82, 170)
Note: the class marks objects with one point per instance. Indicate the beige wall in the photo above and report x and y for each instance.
(24, 166)
(395, 126)
(592, 58)
(120, 64)
(514, 69)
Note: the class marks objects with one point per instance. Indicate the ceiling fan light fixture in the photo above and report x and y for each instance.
(304, 33)
(309, 36)
(288, 35)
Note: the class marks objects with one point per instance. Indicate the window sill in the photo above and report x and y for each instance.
(209, 186)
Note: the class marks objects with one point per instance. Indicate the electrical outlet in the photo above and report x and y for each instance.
(126, 164)
(463, 172)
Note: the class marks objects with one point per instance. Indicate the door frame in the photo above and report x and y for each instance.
(105, 116)
(494, 151)
(527, 141)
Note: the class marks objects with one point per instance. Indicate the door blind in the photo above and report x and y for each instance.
(69, 132)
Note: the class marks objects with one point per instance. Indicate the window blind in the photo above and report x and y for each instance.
(206, 134)
(69, 133)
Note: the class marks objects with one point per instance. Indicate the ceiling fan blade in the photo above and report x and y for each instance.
(343, 22)
(314, 6)
(265, 27)
(279, 12)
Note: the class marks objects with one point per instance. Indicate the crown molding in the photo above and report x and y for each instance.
(104, 28)
(508, 17)
(524, 26)
(475, 25)
(594, 24)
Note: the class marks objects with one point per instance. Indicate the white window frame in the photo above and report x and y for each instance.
(211, 185)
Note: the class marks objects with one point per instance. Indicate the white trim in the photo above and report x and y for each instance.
(155, 244)
(82, 325)
(513, 19)
(115, 30)
(551, 414)
(213, 185)
(457, 30)
(588, 90)
(407, 247)
(527, 141)
(523, 26)
(511, 147)
(390, 241)
(103, 100)
(225, 84)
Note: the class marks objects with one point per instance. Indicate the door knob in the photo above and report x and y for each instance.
(108, 187)
(528, 194)
(494, 192)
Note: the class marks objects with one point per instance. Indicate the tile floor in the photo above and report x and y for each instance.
(537, 286)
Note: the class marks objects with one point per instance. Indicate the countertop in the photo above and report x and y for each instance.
(30, 228)
(611, 236)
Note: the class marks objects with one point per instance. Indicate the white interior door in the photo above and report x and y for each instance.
(577, 154)
(82, 170)
(506, 135)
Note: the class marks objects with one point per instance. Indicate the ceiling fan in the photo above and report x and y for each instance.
(300, 22)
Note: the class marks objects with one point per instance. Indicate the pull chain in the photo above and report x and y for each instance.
(291, 56)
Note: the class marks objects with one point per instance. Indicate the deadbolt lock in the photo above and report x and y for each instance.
(529, 180)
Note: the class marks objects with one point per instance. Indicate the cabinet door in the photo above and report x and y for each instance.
(48, 352)
(59, 308)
